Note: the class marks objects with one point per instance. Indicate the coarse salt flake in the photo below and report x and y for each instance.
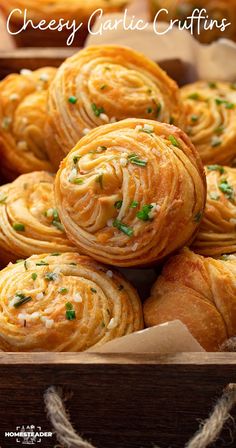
(112, 324)
(26, 72)
(86, 131)
(109, 274)
(39, 296)
(78, 298)
(104, 117)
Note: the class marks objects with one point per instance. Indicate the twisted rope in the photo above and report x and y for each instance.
(206, 435)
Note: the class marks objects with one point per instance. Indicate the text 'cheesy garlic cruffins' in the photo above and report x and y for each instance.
(23, 100)
(29, 220)
(217, 232)
(132, 192)
(200, 292)
(105, 84)
(210, 112)
(64, 303)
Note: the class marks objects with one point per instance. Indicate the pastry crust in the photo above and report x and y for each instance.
(217, 233)
(132, 192)
(29, 221)
(23, 99)
(198, 291)
(210, 111)
(64, 303)
(103, 84)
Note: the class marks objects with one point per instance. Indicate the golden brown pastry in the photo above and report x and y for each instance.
(216, 10)
(29, 221)
(217, 234)
(23, 99)
(132, 192)
(64, 303)
(201, 293)
(59, 10)
(105, 84)
(210, 111)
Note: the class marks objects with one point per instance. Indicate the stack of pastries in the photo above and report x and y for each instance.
(112, 176)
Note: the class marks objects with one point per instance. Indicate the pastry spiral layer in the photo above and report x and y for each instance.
(132, 192)
(217, 234)
(201, 293)
(103, 84)
(29, 221)
(64, 303)
(210, 110)
(23, 99)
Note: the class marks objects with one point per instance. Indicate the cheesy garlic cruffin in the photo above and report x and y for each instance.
(105, 84)
(29, 220)
(132, 192)
(217, 234)
(210, 111)
(23, 110)
(200, 292)
(64, 303)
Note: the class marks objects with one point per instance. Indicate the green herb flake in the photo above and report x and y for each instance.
(63, 291)
(104, 86)
(214, 196)
(123, 227)
(194, 118)
(118, 204)
(42, 263)
(158, 109)
(216, 168)
(143, 214)
(72, 99)
(198, 217)
(94, 291)
(58, 226)
(134, 159)
(25, 265)
(215, 141)
(18, 227)
(194, 96)
(51, 276)
(78, 181)
(134, 204)
(99, 180)
(171, 120)
(219, 130)
(55, 254)
(97, 110)
(212, 85)
(34, 276)
(233, 86)
(21, 300)
(227, 189)
(149, 110)
(76, 159)
(174, 141)
(227, 104)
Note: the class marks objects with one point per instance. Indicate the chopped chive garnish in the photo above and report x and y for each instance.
(42, 263)
(174, 141)
(215, 141)
(20, 261)
(19, 227)
(214, 196)
(134, 204)
(25, 265)
(216, 168)
(194, 96)
(58, 225)
(70, 313)
(51, 276)
(226, 189)
(73, 99)
(144, 213)
(219, 130)
(63, 291)
(97, 110)
(103, 87)
(172, 120)
(3, 200)
(55, 254)
(212, 85)
(99, 180)
(123, 227)
(73, 264)
(149, 110)
(228, 105)
(103, 148)
(198, 217)
(134, 159)
(76, 159)
(194, 118)
(34, 276)
(118, 204)
(78, 181)
(93, 290)
(158, 109)
(21, 300)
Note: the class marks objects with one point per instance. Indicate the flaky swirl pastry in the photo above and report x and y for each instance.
(103, 84)
(210, 110)
(29, 221)
(78, 10)
(201, 293)
(132, 192)
(64, 303)
(217, 234)
(23, 99)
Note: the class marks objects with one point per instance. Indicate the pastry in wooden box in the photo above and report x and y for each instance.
(210, 111)
(217, 233)
(23, 99)
(216, 10)
(29, 221)
(69, 13)
(198, 291)
(105, 84)
(64, 303)
(132, 192)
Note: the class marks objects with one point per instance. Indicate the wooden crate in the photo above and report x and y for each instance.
(119, 401)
